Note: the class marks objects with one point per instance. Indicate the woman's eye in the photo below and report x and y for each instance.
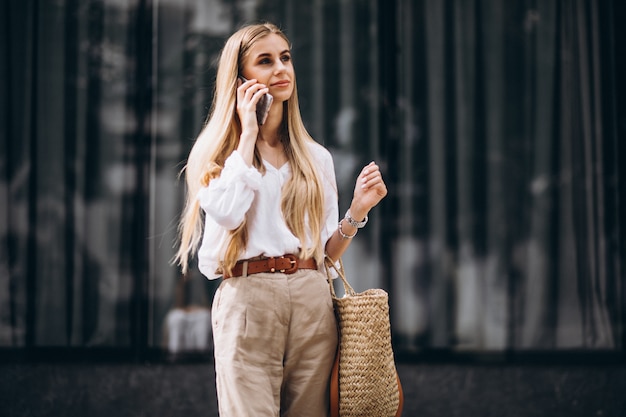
(264, 61)
(286, 58)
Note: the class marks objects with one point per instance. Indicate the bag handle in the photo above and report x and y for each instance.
(329, 264)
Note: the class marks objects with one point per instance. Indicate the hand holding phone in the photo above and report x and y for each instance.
(263, 106)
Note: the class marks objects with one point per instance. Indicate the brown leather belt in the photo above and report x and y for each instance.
(286, 264)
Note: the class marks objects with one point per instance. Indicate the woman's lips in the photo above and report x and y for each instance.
(282, 83)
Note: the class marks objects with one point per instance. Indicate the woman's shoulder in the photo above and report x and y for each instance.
(323, 160)
(319, 152)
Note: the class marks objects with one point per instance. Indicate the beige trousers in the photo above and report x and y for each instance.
(275, 339)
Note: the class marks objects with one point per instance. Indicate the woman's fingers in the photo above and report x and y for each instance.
(251, 91)
(370, 176)
(248, 95)
(370, 187)
(258, 94)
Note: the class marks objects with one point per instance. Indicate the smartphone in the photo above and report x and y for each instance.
(263, 106)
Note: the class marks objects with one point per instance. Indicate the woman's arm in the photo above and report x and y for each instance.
(368, 191)
(248, 95)
(228, 197)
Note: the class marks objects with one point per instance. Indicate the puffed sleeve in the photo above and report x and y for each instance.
(228, 198)
(331, 199)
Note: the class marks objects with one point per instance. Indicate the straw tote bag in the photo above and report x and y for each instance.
(364, 381)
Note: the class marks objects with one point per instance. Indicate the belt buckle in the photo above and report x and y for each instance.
(294, 264)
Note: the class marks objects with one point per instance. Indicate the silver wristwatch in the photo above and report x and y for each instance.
(354, 223)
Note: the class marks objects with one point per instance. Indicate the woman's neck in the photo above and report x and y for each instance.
(270, 131)
(271, 137)
(270, 141)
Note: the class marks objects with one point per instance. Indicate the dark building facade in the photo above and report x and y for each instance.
(497, 125)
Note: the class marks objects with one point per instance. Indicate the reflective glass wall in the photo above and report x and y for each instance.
(508, 182)
(497, 125)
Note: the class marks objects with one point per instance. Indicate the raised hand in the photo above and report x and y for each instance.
(369, 190)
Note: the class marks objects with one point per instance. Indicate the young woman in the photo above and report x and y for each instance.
(262, 209)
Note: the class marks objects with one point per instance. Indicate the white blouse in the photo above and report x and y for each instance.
(242, 191)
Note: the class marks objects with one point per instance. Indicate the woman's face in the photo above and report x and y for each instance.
(269, 62)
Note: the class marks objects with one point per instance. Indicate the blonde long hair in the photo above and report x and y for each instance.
(302, 195)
